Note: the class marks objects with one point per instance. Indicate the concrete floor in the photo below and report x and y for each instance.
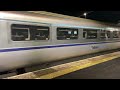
(107, 70)
(102, 71)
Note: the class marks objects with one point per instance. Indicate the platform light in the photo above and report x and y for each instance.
(85, 14)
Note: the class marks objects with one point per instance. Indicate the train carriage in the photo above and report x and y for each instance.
(29, 38)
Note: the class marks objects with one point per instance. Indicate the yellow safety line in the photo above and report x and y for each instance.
(75, 68)
(63, 69)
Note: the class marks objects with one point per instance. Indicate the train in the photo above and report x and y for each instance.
(33, 37)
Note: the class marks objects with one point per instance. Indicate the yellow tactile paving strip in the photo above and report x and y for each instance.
(63, 69)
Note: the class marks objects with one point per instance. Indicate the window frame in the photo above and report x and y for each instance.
(86, 38)
(106, 32)
(118, 36)
(42, 30)
(70, 28)
(21, 28)
(30, 24)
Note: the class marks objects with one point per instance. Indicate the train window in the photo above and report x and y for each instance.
(67, 34)
(29, 32)
(105, 34)
(39, 33)
(19, 33)
(89, 34)
(116, 34)
(108, 34)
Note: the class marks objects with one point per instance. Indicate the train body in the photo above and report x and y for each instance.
(29, 38)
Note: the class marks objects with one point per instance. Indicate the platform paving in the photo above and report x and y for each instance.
(106, 70)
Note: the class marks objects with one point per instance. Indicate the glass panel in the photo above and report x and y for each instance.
(108, 34)
(104, 34)
(20, 34)
(29, 32)
(39, 33)
(89, 34)
(116, 34)
(67, 34)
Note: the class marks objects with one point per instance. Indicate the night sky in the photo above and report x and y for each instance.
(102, 11)
(105, 16)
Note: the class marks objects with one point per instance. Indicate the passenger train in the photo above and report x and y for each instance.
(29, 38)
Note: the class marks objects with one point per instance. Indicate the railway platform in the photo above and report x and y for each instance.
(106, 66)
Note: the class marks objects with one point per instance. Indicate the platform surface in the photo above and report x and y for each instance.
(64, 70)
(106, 70)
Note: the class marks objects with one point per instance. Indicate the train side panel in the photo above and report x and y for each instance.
(17, 59)
(18, 54)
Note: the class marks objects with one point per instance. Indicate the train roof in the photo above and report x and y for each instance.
(52, 18)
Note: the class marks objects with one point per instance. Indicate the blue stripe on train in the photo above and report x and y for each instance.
(43, 47)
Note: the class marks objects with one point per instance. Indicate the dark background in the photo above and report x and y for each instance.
(103, 10)
(105, 16)
(106, 11)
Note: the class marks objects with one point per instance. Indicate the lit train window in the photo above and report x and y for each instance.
(89, 34)
(29, 32)
(67, 34)
(105, 34)
(19, 33)
(108, 34)
(39, 33)
(116, 34)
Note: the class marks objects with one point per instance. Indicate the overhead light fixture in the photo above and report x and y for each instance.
(85, 14)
